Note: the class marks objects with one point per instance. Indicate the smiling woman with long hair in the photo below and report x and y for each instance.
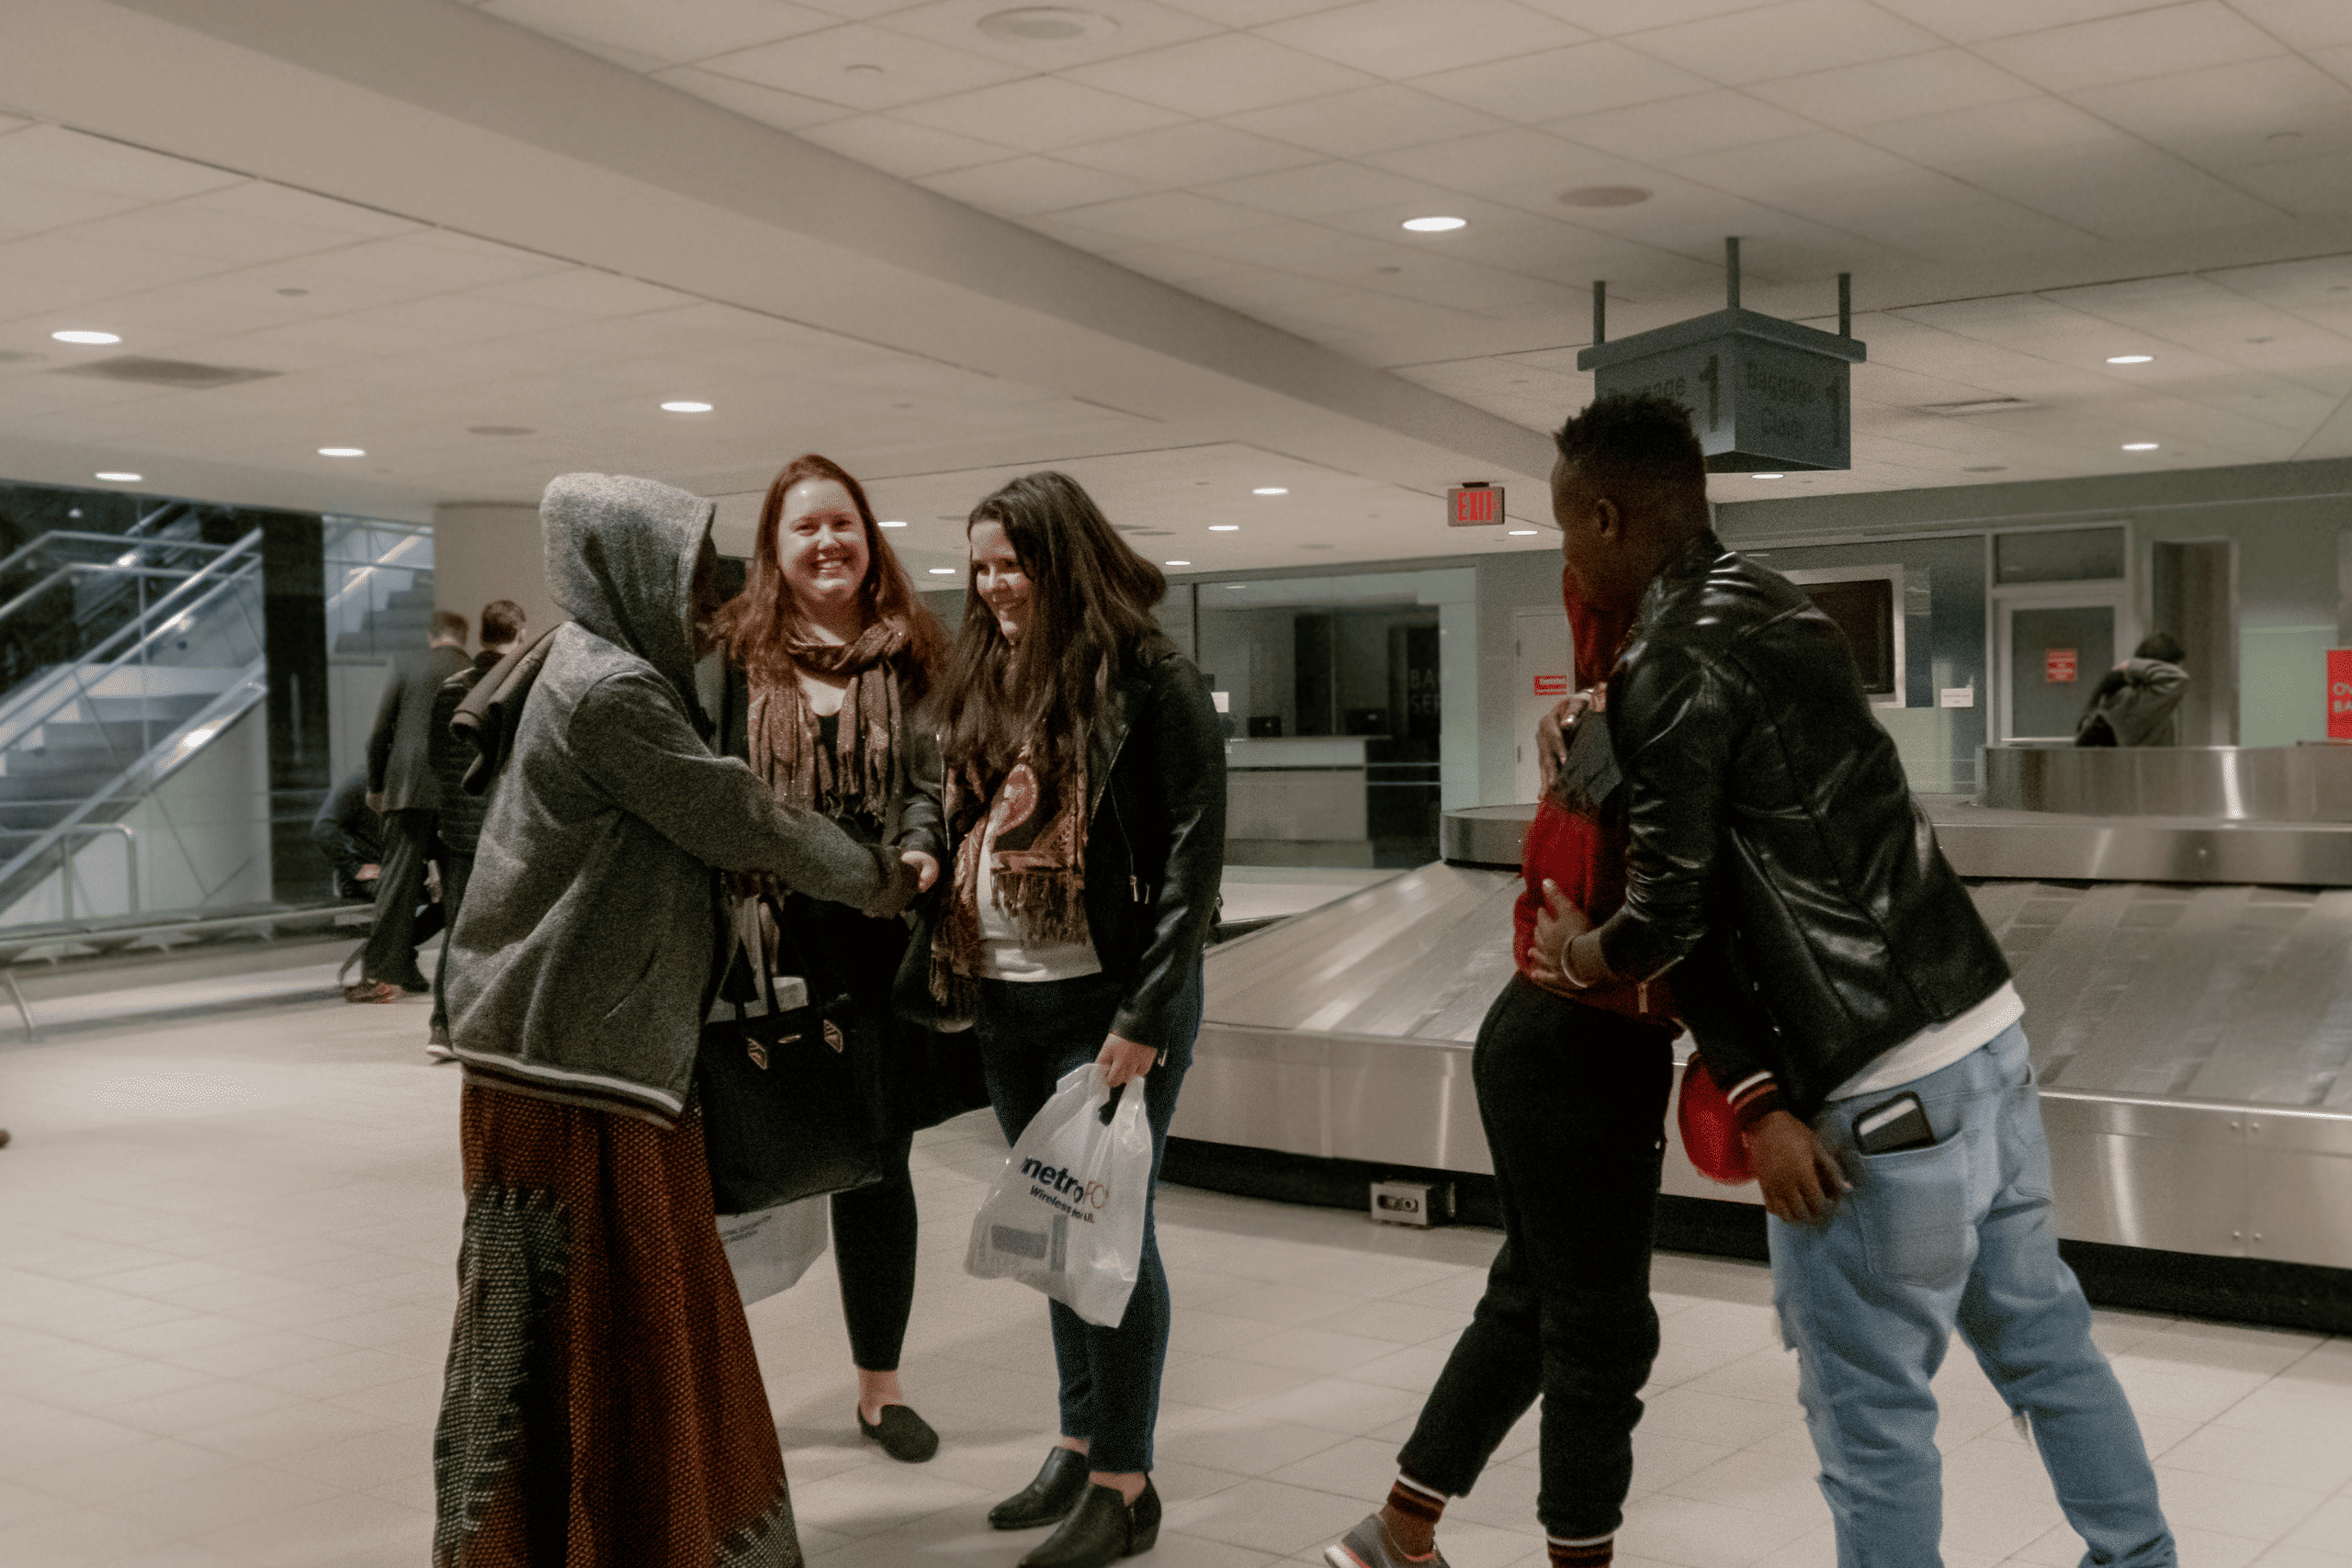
(1085, 789)
(830, 654)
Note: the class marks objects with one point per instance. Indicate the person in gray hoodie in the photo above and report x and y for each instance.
(2136, 702)
(603, 1403)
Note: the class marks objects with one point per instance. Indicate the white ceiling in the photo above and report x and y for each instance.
(1985, 168)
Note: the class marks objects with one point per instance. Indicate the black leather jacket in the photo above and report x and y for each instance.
(1154, 837)
(1773, 841)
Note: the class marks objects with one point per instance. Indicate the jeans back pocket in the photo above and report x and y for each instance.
(1912, 1210)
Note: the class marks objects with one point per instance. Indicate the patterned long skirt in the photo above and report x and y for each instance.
(603, 1407)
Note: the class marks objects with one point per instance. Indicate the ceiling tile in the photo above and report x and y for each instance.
(2124, 49)
(673, 32)
(1787, 40)
(1368, 120)
(51, 155)
(2305, 187)
(1971, 22)
(1019, 186)
(1195, 153)
(1522, 165)
(29, 208)
(769, 106)
(1169, 264)
(1141, 24)
(584, 292)
(1040, 114)
(2228, 118)
(1611, 18)
(863, 67)
(901, 147)
(2303, 24)
(1959, 140)
(1580, 79)
(1170, 215)
(1677, 128)
(2124, 191)
(1896, 89)
(1222, 75)
(261, 201)
(1397, 39)
(2335, 60)
(1821, 157)
(1325, 188)
(1252, 13)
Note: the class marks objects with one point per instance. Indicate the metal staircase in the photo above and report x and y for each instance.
(159, 650)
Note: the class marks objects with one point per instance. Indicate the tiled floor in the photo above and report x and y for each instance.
(226, 1255)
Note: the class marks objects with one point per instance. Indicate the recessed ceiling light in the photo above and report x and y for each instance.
(1518, 533)
(2139, 445)
(1768, 475)
(86, 337)
(1605, 196)
(118, 478)
(1435, 225)
(1175, 563)
(943, 571)
(1047, 24)
(1269, 489)
(1224, 527)
(685, 407)
(343, 452)
(2129, 358)
(293, 293)
(499, 430)
(902, 525)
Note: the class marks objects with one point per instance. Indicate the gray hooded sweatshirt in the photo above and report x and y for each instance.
(581, 959)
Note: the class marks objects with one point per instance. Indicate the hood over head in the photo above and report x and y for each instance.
(620, 560)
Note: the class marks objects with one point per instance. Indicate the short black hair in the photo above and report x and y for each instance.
(1637, 440)
(501, 620)
(449, 624)
(2163, 646)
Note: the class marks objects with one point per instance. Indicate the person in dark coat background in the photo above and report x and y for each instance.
(403, 787)
(351, 838)
(2137, 702)
(458, 828)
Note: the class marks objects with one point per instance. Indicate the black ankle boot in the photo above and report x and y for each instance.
(1061, 1481)
(1105, 1527)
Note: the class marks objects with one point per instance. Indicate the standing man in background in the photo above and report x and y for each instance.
(403, 787)
(459, 827)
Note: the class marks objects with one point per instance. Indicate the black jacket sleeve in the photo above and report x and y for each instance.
(921, 823)
(1189, 787)
(387, 727)
(1675, 722)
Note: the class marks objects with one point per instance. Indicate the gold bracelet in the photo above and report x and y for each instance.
(1567, 970)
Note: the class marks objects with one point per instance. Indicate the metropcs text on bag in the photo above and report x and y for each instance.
(1066, 1217)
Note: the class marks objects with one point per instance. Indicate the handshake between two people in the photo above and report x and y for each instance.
(911, 877)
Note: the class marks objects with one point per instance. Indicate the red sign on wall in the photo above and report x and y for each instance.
(2339, 693)
(2059, 666)
(1557, 685)
(1472, 506)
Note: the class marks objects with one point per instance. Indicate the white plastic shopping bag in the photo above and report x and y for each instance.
(1066, 1217)
(770, 1248)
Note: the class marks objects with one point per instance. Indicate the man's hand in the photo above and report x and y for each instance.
(368, 874)
(905, 881)
(1122, 1059)
(1801, 1182)
(926, 868)
(1560, 923)
(1551, 733)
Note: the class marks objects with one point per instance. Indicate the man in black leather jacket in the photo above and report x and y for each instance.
(1846, 995)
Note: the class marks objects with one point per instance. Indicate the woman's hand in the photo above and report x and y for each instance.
(926, 868)
(1559, 924)
(1122, 1059)
(1551, 732)
(897, 890)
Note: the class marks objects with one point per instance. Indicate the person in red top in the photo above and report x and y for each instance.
(1572, 1091)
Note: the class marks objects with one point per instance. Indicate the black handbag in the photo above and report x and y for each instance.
(787, 1106)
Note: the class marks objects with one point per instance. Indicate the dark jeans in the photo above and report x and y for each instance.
(1030, 1035)
(873, 1250)
(392, 946)
(456, 869)
(1573, 1100)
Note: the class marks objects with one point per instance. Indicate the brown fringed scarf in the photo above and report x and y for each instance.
(1039, 869)
(859, 775)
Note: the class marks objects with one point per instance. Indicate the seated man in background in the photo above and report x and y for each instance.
(350, 835)
(458, 828)
(1847, 994)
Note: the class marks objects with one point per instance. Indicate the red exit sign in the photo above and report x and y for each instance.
(2060, 667)
(1474, 507)
(1551, 685)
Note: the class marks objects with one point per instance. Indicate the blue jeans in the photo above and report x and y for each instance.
(1031, 1032)
(1957, 1235)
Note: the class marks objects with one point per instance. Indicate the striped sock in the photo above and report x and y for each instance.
(1412, 1515)
(1596, 1553)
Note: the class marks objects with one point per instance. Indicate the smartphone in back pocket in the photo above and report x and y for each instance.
(1893, 1125)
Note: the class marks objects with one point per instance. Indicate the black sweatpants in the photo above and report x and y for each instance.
(1573, 1098)
(400, 892)
(874, 1251)
(457, 870)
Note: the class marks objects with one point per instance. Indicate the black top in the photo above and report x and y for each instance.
(451, 754)
(399, 764)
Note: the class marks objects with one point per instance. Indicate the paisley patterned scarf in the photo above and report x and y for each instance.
(858, 775)
(1034, 828)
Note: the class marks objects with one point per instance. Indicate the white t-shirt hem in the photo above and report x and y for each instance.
(1934, 1049)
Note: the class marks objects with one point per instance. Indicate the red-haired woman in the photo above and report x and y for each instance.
(830, 654)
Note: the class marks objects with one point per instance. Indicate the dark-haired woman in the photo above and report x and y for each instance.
(1085, 790)
(830, 654)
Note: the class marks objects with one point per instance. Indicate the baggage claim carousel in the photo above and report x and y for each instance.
(2181, 924)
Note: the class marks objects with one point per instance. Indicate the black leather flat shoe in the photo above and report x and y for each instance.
(1105, 1528)
(1061, 1481)
(904, 1435)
